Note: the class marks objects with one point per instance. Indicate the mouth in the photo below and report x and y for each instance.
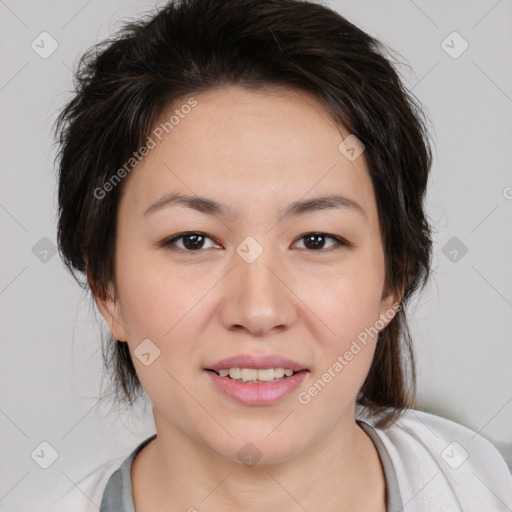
(256, 376)
(256, 387)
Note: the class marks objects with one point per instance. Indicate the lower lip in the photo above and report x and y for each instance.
(253, 393)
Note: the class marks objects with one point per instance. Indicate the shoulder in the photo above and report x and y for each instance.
(86, 494)
(439, 462)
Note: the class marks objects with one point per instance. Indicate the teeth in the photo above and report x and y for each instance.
(235, 373)
(250, 374)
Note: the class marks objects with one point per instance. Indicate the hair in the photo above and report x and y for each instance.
(125, 83)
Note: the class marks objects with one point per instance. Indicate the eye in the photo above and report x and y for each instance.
(192, 241)
(316, 241)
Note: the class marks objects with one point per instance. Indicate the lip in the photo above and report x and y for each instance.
(252, 393)
(257, 363)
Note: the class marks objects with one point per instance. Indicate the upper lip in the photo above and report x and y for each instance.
(257, 362)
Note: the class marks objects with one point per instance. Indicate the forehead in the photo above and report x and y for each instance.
(249, 148)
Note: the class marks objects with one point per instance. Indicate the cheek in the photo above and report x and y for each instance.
(164, 307)
(350, 308)
(348, 301)
(157, 301)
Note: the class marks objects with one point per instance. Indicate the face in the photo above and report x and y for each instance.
(255, 276)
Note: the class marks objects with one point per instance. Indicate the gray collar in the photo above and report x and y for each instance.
(394, 499)
(118, 496)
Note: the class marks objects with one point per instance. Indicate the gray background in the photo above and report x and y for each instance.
(51, 368)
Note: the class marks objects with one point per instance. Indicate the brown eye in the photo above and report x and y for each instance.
(316, 241)
(195, 242)
(191, 242)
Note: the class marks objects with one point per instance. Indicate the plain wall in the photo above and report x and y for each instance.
(51, 367)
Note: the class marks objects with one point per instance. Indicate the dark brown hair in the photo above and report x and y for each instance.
(124, 84)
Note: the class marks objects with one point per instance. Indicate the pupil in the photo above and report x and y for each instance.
(194, 244)
(316, 238)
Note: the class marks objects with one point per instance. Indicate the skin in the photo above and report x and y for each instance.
(255, 151)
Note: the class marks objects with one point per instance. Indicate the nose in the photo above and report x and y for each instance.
(257, 297)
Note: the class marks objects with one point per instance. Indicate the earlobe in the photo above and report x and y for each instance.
(109, 308)
(390, 305)
(107, 305)
(387, 314)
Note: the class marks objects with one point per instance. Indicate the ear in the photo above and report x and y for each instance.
(389, 306)
(110, 309)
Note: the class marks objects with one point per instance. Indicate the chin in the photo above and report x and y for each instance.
(257, 450)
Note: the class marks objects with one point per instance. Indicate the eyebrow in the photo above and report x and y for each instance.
(211, 207)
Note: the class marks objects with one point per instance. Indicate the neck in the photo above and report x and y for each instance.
(340, 471)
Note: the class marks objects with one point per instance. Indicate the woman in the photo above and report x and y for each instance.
(242, 185)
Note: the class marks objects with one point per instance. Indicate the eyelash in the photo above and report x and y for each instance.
(168, 243)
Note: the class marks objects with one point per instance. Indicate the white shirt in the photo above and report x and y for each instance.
(440, 466)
